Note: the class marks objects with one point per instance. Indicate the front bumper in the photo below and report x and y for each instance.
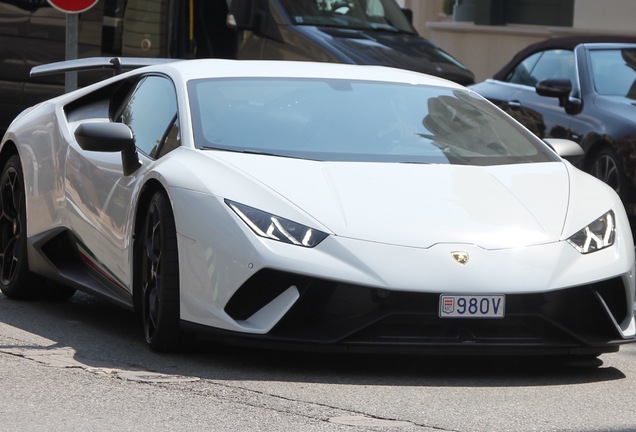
(343, 317)
(355, 295)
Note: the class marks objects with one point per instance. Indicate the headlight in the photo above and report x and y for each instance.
(277, 228)
(596, 236)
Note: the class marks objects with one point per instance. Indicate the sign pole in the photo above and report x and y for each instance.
(72, 31)
(72, 8)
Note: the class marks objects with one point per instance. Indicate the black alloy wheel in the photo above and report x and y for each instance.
(160, 276)
(16, 281)
(608, 168)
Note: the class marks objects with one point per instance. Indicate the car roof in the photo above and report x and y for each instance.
(216, 68)
(567, 43)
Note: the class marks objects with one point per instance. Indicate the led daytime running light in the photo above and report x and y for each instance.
(596, 236)
(276, 228)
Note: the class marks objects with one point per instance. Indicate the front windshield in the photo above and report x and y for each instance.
(351, 120)
(614, 71)
(357, 14)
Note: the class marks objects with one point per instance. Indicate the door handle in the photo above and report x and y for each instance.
(514, 104)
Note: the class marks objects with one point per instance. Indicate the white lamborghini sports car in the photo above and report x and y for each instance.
(313, 206)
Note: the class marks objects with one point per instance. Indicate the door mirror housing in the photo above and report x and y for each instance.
(110, 137)
(408, 13)
(567, 149)
(243, 15)
(558, 88)
(562, 90)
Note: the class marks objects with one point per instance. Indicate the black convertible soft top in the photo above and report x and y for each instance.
(568, 43)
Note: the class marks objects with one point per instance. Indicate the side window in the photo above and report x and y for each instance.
(554, 64)
(521, 74)
(374, 8)
(544, 65)
(171, 139)
(151, 113)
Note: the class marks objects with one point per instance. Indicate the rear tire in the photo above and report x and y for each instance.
(159, 280)
(16, 281)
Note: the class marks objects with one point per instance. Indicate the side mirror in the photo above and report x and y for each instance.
(567, 149)
(408, 13)
(243, 15)
(110, 137)
(561, 89)
(558, 88)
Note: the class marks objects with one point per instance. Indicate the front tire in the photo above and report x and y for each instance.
(160, 276)
(607, 167)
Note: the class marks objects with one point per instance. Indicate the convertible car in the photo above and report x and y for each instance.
(313, 206)
(580, 88)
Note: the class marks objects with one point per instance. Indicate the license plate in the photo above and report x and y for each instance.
(472, 306)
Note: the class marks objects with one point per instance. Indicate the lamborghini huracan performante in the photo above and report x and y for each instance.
(313, 206)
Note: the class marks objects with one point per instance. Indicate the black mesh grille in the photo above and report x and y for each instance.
(330, 312)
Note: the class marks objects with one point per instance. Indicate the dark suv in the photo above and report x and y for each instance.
(375, 32)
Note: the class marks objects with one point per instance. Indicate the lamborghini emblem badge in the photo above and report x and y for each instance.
(460, 257)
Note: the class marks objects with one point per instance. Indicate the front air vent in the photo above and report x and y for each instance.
(260, 290)
(612, 292)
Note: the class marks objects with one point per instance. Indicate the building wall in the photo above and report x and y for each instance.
(605, 15)
(485, 49)
(424, 11)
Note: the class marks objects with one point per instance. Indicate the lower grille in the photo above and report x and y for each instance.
(334, 313)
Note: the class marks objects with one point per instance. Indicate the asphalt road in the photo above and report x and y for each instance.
(83, 365)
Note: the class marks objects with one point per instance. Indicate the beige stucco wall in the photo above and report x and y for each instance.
(605, 15)
(485, 49)
(423, 11)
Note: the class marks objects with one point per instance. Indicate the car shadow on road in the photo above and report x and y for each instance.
(101, 335)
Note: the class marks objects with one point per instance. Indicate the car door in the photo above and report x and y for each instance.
(101, 195)
(542, 115)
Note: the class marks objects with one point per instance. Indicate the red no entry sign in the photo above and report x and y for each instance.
(73, 6)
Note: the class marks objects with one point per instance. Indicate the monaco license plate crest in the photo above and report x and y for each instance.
(472, 306)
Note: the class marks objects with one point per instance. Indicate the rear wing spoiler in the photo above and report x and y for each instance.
(117, 64)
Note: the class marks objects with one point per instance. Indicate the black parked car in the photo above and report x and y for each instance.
(377, 32)
(582, 89)
(368, 32)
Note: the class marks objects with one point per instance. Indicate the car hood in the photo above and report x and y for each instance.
(400, 50)
(419, 205)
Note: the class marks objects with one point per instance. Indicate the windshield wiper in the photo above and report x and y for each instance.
(260, 152)
(388, 28)
(244, 151)
(212, 148)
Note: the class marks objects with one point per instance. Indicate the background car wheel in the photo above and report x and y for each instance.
(160, 276)
(606, 166)
(16, 281)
